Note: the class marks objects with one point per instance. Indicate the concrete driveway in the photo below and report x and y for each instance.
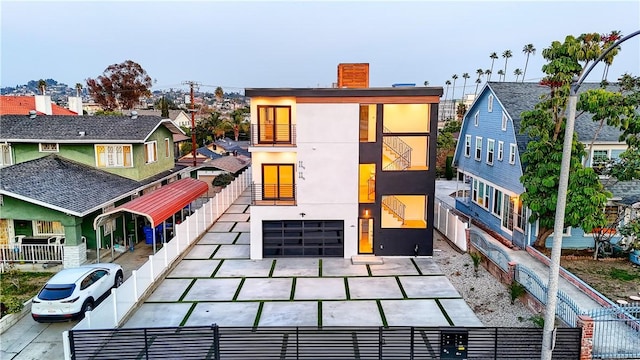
(216, 282)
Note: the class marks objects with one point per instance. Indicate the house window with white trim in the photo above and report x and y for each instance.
(497, 202)
(476, 118)
(467, 145)
(478, 148)
(167, 147)
(500, 150)
(48, 147)
(474, 191)
(490, 104)
(47, 228)
(504, 121)
(109, 155)
(490, 149)
(487, 195)
(512, 154)
(5, 155)
(150, 152)
(520, 215)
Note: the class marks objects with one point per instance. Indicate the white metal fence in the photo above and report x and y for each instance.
(111, 311)
(450, 224)
(31, 253)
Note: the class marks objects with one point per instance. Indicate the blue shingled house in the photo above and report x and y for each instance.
(488, 161)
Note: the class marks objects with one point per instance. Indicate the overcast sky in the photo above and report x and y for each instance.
(243, 44)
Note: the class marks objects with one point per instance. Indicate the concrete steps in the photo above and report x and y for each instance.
(366, 260)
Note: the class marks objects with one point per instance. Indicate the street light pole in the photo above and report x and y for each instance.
(548, 332)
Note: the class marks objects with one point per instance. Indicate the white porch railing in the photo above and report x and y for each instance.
(31, 253)
(111, 312)
(450, 225)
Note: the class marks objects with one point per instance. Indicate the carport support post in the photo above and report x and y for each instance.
(217, 211)
(134, 275)
(114, 296)
(98, 244)
(153, 237)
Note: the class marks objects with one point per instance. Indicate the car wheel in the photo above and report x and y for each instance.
(87, 306)
(119, 279)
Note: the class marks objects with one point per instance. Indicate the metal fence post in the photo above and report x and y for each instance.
(380, 340)
(216, 342)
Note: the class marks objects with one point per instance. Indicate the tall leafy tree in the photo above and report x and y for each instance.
(544, 126)
(219, 93)
(517, 73)
(506, 55)
(493, 58)
(42, 86)
(120, 86)
(528, 49)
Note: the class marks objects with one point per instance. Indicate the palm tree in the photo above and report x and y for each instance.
(527, 49)
(78, 89)
(465, 76)
(446, 93)
(488, 73)
(42, 86)
(479, 72)
(493, 57)
(506, 55)
(426, 83)
(517, 73)
(501, 73)
(478, 82)
(453, 90)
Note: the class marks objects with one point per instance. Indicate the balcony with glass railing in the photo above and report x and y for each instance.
(273, 135)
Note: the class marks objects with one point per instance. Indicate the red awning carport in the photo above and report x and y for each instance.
(160, 204)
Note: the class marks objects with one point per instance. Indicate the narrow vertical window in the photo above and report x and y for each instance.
(490, 104)
(512, 153)
(478, 148)
(490, 149)
(500, 150)
(467, 145)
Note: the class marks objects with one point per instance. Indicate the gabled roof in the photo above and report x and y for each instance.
(81, 129)
(519, 97)
(21, 105)
(208, 153)
(232, 164)
(63, 185)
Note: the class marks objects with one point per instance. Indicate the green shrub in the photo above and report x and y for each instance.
(476, 257)
(516, 290)
(11, 305)
(223, 180)
(537, 320)
(448, 171)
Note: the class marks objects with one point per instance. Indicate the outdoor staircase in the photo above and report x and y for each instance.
(398, 151)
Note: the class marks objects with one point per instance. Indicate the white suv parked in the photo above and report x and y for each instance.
(71, 292)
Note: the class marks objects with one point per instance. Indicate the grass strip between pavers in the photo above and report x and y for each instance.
(235, 296)
(417, 267)
(233, 226)
(369, 270)
(273, 267)
(293, 289)
(444, 312)
(186, 317)
(382, 316)
(404, 293)
(215, 271)
(346, 289)
(320, 313)
(214, 253)
(320, 268)
(236, 239)
(186, 291)
(257, 320)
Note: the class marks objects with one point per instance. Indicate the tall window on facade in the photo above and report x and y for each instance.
(404, 211)
(478, 148)
(497, 202)
(167, 147)
(114, 156)
(467, 145)
(150, 152)
(512, 153)
(274, 124)
(278, 181)
(5, 155)
(368, 123)
(490, 149)
(367, 183)
(500, 150)
(507, 214)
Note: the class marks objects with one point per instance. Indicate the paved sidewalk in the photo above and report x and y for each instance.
(216, 282)
(444, 188)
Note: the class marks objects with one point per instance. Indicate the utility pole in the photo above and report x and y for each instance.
(548, 331)
(192, 84)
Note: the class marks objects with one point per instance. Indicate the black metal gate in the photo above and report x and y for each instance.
(213, 342)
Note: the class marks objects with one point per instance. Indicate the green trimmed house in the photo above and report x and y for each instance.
(58, 173)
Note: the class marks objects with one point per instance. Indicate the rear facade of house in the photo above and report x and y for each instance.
(342, 172)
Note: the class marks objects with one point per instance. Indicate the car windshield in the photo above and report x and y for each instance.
(56, 292)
